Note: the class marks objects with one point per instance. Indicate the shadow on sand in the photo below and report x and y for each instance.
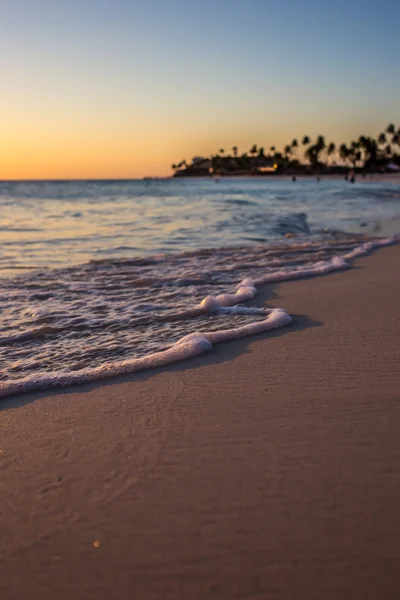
(221, 353)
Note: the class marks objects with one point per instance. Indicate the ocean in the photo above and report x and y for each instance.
(100, 278)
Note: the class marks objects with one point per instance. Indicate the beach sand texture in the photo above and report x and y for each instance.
(266, 469)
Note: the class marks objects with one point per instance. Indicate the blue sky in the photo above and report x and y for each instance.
(157, 81)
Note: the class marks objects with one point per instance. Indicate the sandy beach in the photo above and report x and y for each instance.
(268, 468)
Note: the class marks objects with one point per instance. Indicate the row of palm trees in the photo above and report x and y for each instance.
(366, 151)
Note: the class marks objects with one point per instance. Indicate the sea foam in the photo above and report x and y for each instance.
(147, 311)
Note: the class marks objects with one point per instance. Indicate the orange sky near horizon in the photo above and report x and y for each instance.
(79, 158)
(124, 88)
(85, 150)
(53, 149)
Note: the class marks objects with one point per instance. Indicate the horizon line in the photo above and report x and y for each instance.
(63, 179)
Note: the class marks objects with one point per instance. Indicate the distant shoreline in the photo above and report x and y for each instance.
(289, 177)
(369, 178)
(376, 177)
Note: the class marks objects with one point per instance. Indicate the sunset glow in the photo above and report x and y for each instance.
(122, 90)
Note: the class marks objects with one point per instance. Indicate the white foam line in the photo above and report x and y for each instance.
(337, 263)
(198, 343)
(187, 347)
(247, 288)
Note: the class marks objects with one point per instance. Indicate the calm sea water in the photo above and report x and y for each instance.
(100, 278)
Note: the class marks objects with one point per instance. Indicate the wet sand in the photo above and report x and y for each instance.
(266, 469)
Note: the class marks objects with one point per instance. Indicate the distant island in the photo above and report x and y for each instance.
(367, 155)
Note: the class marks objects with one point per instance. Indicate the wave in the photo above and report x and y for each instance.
(292, 223)
(97, 318)
(187, 347)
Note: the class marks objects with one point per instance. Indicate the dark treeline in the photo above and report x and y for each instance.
(366, 153)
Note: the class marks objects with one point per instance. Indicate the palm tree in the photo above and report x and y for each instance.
(370, 148)
(331, 149)
(293, 147)
(382, 139)
(315, 150)
(287, 151)
(310, 154)
(396, 138)
(344, 152)
(305, 142)
(373, 151)
(356, 157)
(253, 150)
(391, 129)
(354, 153)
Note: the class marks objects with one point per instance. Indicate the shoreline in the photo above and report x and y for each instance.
(377, 177)
(370, 178)
(265, 469)
(200, 342)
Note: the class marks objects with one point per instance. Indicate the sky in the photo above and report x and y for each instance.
(123, 88)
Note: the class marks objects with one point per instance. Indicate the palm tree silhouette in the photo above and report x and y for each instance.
(391, 129)
(311, 154)
(344, 152)
(372, 151)
(396, 138)
(305, 142)
(315, 150)
(382, 139)
(294, 145)
(287, 151)
(370, 148)
(253, 150)
(331, 149)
